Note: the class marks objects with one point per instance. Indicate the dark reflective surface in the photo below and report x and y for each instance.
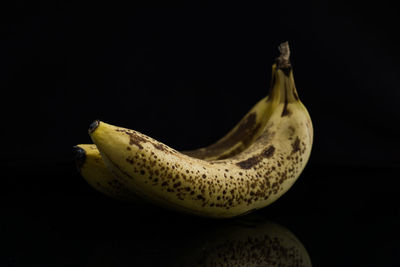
(247, 242)
(347, 216)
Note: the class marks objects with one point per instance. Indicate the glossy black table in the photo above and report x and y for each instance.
(334, 215)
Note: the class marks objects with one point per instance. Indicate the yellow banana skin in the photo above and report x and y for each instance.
(93, 170)
(230, 187)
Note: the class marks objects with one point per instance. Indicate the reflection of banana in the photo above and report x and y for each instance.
(252, 179)
(93, 170)
(260, 244)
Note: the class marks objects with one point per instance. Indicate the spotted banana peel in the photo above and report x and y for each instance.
(222, 188)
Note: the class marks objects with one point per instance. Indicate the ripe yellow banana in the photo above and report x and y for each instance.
(92, 168)
(250, 180)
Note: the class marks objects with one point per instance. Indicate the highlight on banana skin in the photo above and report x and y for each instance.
(249, 168)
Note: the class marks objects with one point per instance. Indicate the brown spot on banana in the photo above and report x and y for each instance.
(254, 160)
(269, 152)
(250, 162)
(296, 145)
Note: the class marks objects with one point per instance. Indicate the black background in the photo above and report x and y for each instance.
(185, 76)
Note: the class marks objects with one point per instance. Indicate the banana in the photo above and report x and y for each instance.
(222, 188)
(90, 165)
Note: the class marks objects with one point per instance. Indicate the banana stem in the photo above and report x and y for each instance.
(283, 61)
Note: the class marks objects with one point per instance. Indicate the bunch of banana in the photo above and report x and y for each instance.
(249, 168)
(92, 168)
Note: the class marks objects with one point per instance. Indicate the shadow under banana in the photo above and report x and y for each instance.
(242, 242)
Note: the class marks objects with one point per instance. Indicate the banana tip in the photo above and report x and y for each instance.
(80, 156)
(93, 126)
